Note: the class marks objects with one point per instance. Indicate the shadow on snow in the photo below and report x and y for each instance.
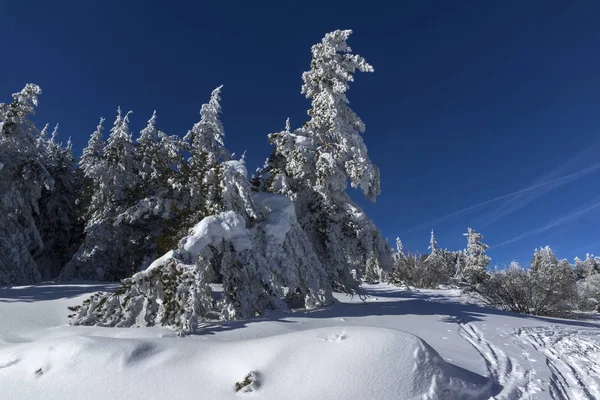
(52, 291)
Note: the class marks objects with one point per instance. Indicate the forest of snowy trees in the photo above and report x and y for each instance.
(170, 215)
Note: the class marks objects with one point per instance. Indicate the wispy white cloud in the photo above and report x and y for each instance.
(550, 225)
(546, 186)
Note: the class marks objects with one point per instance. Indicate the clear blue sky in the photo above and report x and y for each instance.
(469, 101)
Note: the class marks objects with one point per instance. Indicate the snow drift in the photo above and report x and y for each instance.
(325, 363)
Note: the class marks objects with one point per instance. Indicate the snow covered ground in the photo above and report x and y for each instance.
(426, 344)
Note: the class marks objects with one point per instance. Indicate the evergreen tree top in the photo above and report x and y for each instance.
(334, 129)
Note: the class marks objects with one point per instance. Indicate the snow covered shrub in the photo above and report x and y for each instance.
(249, 384)
(547, 288)
(509, 289)
(423, 271)
(588, 290)
(407, 270)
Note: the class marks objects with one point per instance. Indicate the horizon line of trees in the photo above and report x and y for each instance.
(548, 286)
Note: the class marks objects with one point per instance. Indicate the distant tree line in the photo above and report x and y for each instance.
(549, 286)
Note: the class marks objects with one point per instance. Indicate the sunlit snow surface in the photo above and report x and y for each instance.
(394, 345)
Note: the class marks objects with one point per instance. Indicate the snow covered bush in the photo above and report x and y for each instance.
(249, 384)
(547, 288)
(409, 271)
(424, 271)
(588, 290)
(587, 275)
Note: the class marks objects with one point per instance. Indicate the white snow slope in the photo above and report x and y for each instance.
(396, 345)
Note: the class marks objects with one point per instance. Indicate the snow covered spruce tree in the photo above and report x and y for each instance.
(104, 253)
(57, 219)
(202, 173)
(250, 242)
(23, 176)
(474, 270)
(460, 258)
(150, 209)
(313, 164)
(399, 254)
(435, 270)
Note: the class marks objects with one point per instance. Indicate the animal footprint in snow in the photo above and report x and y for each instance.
(336, 337)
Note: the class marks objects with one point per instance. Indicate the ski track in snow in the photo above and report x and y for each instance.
(573, 357)
(517, 383)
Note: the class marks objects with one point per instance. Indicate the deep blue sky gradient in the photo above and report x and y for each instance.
(470, 100)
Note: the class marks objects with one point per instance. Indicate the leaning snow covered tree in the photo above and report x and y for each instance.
(252, 243)
(313, 164)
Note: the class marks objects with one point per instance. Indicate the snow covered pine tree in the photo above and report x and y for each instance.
(57, 218)
(261, 246)
(109, 168)
(251, 242)
(312, 166)
(474, 270)
(23, 176)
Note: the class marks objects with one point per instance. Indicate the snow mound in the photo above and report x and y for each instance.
(228, 226)
(324, 363)
(210, 231)
(364, 363)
